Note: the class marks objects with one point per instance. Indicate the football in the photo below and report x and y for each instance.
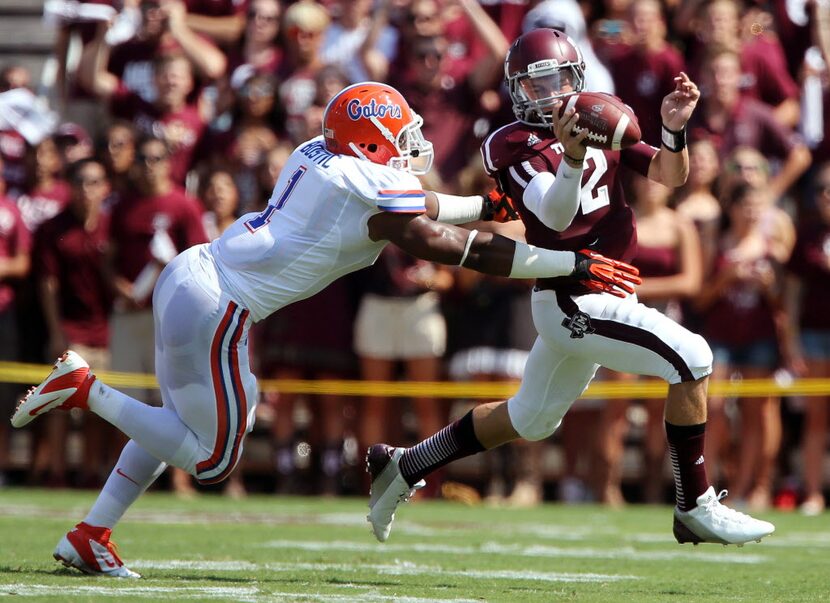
(611, 123)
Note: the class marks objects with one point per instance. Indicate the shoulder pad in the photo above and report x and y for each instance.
(512, 144)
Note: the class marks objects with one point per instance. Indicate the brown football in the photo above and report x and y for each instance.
(611, 123)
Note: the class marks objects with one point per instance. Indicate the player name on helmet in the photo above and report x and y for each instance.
(356, 110)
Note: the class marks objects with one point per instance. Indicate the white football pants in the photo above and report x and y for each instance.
(578, 334)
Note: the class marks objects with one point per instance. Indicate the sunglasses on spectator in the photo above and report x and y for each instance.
(422, 18)
(115, 145)
(151, 159)
(431, 53)
(273, 18)
(257, 91)
(90, 181)
(745, 167)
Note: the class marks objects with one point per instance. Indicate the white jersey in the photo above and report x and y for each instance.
(314, 229)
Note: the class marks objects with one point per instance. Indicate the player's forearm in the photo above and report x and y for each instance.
(453, 209)
(555, 200)
(672, 168)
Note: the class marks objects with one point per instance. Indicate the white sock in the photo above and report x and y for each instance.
(159, 431)
(135, 470)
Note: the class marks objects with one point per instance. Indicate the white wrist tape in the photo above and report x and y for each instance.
(453, 209)
(470, 238)
(535, 262)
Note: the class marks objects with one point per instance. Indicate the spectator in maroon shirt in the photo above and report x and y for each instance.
(75, 298)
(450, 104)
(742, 306)
(148, 228)
(46, 192)
(171, 116)
(731, 120)
(12, 143)
(258, 48)
(164, 30)
(304, 24)
(118, 155)
(644, 71)
(764, 74)
(15, 243)
(808, 297)
(221, 20)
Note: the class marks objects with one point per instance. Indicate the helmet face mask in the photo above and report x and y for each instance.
(542, 67)
(374, 122)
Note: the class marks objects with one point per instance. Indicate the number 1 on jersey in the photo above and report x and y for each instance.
(264, 218)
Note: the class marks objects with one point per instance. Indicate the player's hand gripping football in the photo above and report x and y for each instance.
(498, 207)
(604, 275)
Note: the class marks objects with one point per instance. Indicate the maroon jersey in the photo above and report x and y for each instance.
(181, 131)
(74, 256)
(657, 261)
(765, 74)
(811, 261)
(604, 222)
(136, 219)
(449, 114)
(752, 124)
(216, 8)
(14, 240)
(43, 203)
(642, 79)
(742, 315)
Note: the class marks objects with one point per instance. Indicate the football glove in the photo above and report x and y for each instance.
(499, 207)
(604, 275)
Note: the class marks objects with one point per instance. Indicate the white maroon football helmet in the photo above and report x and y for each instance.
(542, 66)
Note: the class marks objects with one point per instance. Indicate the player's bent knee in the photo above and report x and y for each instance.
(699, 357)
(537, 424)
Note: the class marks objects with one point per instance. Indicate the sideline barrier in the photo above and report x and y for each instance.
(16, 372)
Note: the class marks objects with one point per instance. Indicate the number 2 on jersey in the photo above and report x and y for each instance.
(264, 218)
(589, 199)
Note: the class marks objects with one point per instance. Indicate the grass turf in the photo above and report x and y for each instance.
(307, 549)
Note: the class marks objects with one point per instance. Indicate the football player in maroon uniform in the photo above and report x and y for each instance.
(570, 198)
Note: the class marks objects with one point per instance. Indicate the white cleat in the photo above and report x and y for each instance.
(67, 386)
(90, 550)
(388, 489)
(710, 521)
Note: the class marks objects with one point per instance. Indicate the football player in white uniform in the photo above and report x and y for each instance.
(341, 197)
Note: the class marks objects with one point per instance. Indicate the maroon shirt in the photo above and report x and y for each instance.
(41, 204)
(181, 130)
(811, 261)
(132, 63)
(74, 256)
(751, 124)
(449, 114)
(604, 221)
(14, 240)
(642, 79)
(742, 315)
(136, 219)
(765, 74)
(216, 8)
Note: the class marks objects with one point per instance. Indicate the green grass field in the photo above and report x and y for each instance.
(306, 549)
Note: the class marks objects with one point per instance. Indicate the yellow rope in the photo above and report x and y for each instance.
(17, 372)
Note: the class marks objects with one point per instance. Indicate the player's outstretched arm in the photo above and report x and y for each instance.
(494, 254)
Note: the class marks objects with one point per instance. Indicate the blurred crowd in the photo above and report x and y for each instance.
(164, 120)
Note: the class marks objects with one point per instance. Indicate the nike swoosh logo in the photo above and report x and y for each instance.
(34, 411)
(125, 476)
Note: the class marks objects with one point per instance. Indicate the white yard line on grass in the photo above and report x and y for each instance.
(495, 548)
(396, 569)
(245, 593)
